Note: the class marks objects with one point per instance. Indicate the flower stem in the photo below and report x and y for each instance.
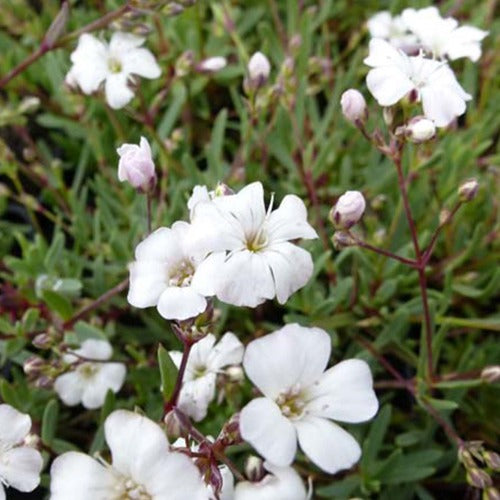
(172, 402)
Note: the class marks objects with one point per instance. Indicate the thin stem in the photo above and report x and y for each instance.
(172, 402)
(448, 429)
(422, 281)
(148, 209)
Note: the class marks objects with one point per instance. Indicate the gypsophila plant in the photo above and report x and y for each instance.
(249, 250)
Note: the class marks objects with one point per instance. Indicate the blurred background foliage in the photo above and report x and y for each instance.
(68, 228)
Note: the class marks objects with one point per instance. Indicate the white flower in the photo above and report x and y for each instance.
(88, 382)
(353, 105)
(143, 467)
(281, 483)
(252, 257)
(95, 62)
(212, 64)
(206, 360)
(259, 68)
(392, 29)
(349, 209)
(136, 165)
(166, 274)
(442, 37)
(300, 398)
(420, 129)
(394, 75)
(20, 465)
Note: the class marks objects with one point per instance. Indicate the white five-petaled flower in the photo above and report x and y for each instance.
(393, 29)
(166, 274)
(89, 381)
(300, 398)
(442, 37)
(95, 62)
(136, 165)
(206, 360)
(280, 483)
(252, 257)
(394, 75)
(143, 467)
(20, 465)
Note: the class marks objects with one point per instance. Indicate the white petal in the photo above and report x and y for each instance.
(20, 467)
(196, 395)
(208, 278)
(268, 431)
(465, 42)
(161, 245)
(344, 393)
(382, 53)
(227, 490)
(14, 425)
(289, 221)
(141, 62)
(122, 43)
(76, 476)
(388, 84)
(200, 352)
(110, 376)
(2, 492)
(70, 387)
(228, 351)
(95, 349)
(441, 105)
(118, 93)
(181, 303)
(135, 443)
(292, 355)
(291, 268)
(328, 446)
(148, 280)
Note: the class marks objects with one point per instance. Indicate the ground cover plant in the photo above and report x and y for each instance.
(249, 250)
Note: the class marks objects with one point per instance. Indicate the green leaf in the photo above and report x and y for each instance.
(168, 372)
(58, 303)
(49, 422)
(375, 438)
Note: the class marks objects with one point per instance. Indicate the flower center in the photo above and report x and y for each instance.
(258, 241)
(88, 370)
(134, 491)
(182, 274)
(292, 403)
(114, 65)
(199, 371)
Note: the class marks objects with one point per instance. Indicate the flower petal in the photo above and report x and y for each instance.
(95, 349)
(228, 351)
(70, 387)
(196, 395)
(147, 282)
(268, 431)
(110, 376)
(118, 93)
(20, 467)
(181, 303)
(141, 62)
(122, 43)
(344, 393)
(328, 446)
(14, 425)
(388, 84)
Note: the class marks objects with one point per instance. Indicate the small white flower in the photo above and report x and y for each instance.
(88, 382)
(442, 37)
(300, 399)
(353, 105)
(420, 129)
(166, 274)
(252, 256)
(20, 465)
(394, 75)
(393, 29)
(95, 62)
(212, 64)
(349, 209)
(259, 68)
(206, 360)
(143, 467)
(280, 483)
(136, 165)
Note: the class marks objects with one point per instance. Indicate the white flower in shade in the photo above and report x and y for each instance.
(280, 483)
(353, 105)
(349, 209)
(206, 360)
(300, 398)
(89, 381)
(442, 37)
(136, 165)
(166, 274)
(20, 465)
(95, 62)
(212, 64)
(143, 467)
(253, 258)
(259, 68)
(395, 75)
(393, 29)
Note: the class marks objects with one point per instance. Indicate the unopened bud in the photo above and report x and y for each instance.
(348, 210)
(33, 366)
(43, 341)
(235, 374)
(444, 216)
(342, 240)
(212, 64)
(136, 165)
(353, 105)
(478, 478)
(31, 440)
(492, 460)
(491, 494)
(222, 190)
(184, 64)
(388, 115)
(44, 382)
(468, 190)
(491, 374)
(172, 425)
(29, 104)
(254, 468)
(295, 43)
(420, 129)
(465, 457)
(259, 68)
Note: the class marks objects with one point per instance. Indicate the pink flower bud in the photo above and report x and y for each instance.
(136, 165)
(259, 68)
(353, 105)
(468, 190)
(349, 209)
(420, 129)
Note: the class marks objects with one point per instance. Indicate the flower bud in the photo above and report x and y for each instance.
(491, 494)
(173, 426)
(33, 366)
(491, 374)
(353, 105)
(254, 468)
(349, 209)
(492, 460)
(222, 190)
(136, 165)
(468, 190)
(342, 240)
(235, 374)
(420, 129)
(184, 64)
(258, 69)
(478, 478)
(212, 64)
(43, 341)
